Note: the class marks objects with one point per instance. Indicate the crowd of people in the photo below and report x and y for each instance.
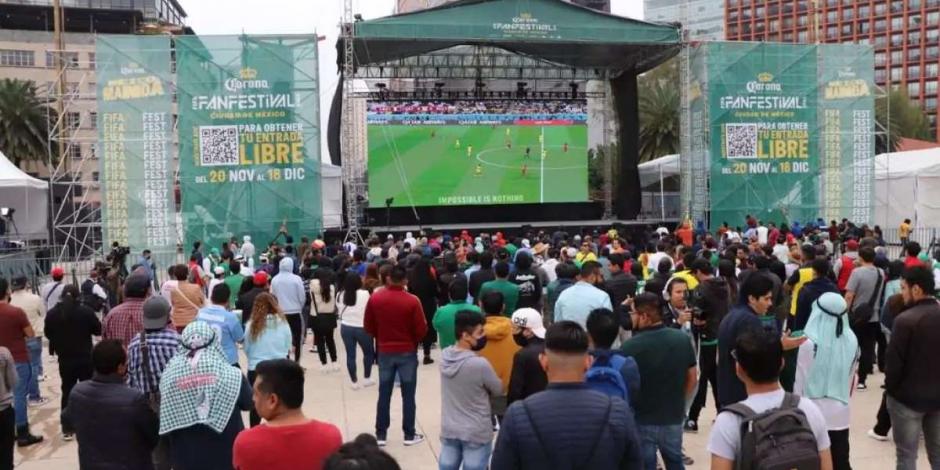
(590, 350)
(479, 107)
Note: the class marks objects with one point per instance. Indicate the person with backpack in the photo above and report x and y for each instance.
(468, 382)
(826, 368)
(863, 295)
(611, 373)
(567, 426)
(668, 371)
(770, 428)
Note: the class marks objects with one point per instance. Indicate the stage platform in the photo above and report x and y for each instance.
(568, 225)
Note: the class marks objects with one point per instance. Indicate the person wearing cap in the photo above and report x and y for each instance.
(845, 264)
(35, 309)
(246, 301)
(15, 329)
(527, 377)
(126, 320)
(52, 290)
(218, 277)
(70, 327)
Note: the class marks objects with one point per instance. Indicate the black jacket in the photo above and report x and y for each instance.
(527, 376)
(911, 376)
(246, 302)
(568, 426)
(620, 286)
(115, 427)
(69, 329)
(808, 294)
(477, 278)
(713, 297)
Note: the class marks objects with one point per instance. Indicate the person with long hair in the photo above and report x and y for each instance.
(70, 327)
(323, 313)
(726, 272)
(371, 281)
(351, 302)
(421, 284)
(267, 336)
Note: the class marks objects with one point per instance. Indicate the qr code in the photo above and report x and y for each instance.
(218, 145)
(741, 140)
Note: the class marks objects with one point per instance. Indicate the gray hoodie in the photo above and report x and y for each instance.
(467, 383)
(288, 288)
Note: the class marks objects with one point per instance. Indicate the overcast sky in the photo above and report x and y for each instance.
(307, 16)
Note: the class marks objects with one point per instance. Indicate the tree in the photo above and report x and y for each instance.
(659, 111)
(907, 120)
(24, 127)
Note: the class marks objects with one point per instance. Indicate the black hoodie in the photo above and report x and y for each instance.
(714, 300)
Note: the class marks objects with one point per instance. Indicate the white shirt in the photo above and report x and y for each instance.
(213, 283)
(317, 305)
(762, 235)
(33, 306)
(725, 439)
(353, 315)
(654, 260)
(51, 293)
(248, 250)
(549, 267)
(782, 253)
(835, 412)
(168, 287)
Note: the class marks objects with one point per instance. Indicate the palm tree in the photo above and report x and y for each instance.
(24, 128)
(659, 120)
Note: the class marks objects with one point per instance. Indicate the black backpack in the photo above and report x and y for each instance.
(89, 298)
(777, 439)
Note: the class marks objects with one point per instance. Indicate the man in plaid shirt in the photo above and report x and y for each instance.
(162, 341)
(124, 322)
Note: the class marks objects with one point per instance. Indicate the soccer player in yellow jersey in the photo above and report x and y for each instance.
(541, 138)
(469, 151)
(544, 154)
(457, 144)
(478, 171)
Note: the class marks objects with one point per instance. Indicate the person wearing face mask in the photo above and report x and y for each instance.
(527, 376)
(579, 300)
(499, 346)
(468, 382)
(569, 425)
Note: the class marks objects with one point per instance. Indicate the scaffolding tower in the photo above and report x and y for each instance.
(353, 166)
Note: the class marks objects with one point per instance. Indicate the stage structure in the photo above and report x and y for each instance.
(485, 50)
(782, 132)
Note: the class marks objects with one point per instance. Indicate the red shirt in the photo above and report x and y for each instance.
(298, 447)
(395, 319)
(12, 323)
(911, 261)
(685, 235)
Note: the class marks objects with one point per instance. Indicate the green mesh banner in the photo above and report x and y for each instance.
(847, 126)
(135, 136)
(762, 117)
(249, 137)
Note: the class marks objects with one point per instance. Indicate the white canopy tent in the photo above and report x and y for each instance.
(907, 185)
(29, 197)
(661, 168)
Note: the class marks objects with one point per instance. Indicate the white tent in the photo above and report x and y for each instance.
(29, 197)
(331, 187)
(661, 168)
(907, 185)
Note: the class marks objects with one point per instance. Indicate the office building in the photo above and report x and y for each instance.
(703, 20)
(405, 6)
(904, 33)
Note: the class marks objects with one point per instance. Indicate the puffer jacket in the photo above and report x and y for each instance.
(121, 438)
(579, 428)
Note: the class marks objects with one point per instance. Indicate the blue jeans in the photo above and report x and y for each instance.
(24, 373)
(405, 365)
(34, 346)
(473, 456)
(351, 337)
(668, 440)
(906, 425)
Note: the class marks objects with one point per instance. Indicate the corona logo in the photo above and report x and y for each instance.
(763, 84)
(765, 77)
(248, 73)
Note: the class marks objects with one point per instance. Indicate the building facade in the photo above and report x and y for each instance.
(904, 33)
(28, 51)
(405, 6)
(703, 20)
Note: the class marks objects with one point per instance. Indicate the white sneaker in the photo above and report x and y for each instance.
(356, 386)
(417, 439)
(878, 437)
(335, 366)
(368, 382)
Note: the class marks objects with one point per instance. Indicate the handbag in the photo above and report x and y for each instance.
(862, 314)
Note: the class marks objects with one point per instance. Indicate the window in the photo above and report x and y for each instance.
(913, 72)
(880, 8)
(93, 120)
(94, 176)
(931, 52)
(930, 87)
(863, 11)
(91, 60)
(73, 120)
(930, 70)
(913, 20)
(71, 59)
(895, 74)
(847, 13)
(930, 104)
(802, 36)
(933, 35)
(897, 39)
(832, 16)
(92, 153)
(880, 75)
(847, 29)
(864, 27)
(72, 90)
(897, 22)
(913, 53)
(913, 90)
(896, 57)
(880, 25)
(933, 17)
(879, 58)
(75, 151)
(17, 58)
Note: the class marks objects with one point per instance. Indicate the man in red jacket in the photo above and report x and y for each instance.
(396, 320)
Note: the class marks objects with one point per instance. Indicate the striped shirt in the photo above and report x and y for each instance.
(162, 346)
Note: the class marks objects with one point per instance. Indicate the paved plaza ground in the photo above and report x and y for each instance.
(328, 397)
